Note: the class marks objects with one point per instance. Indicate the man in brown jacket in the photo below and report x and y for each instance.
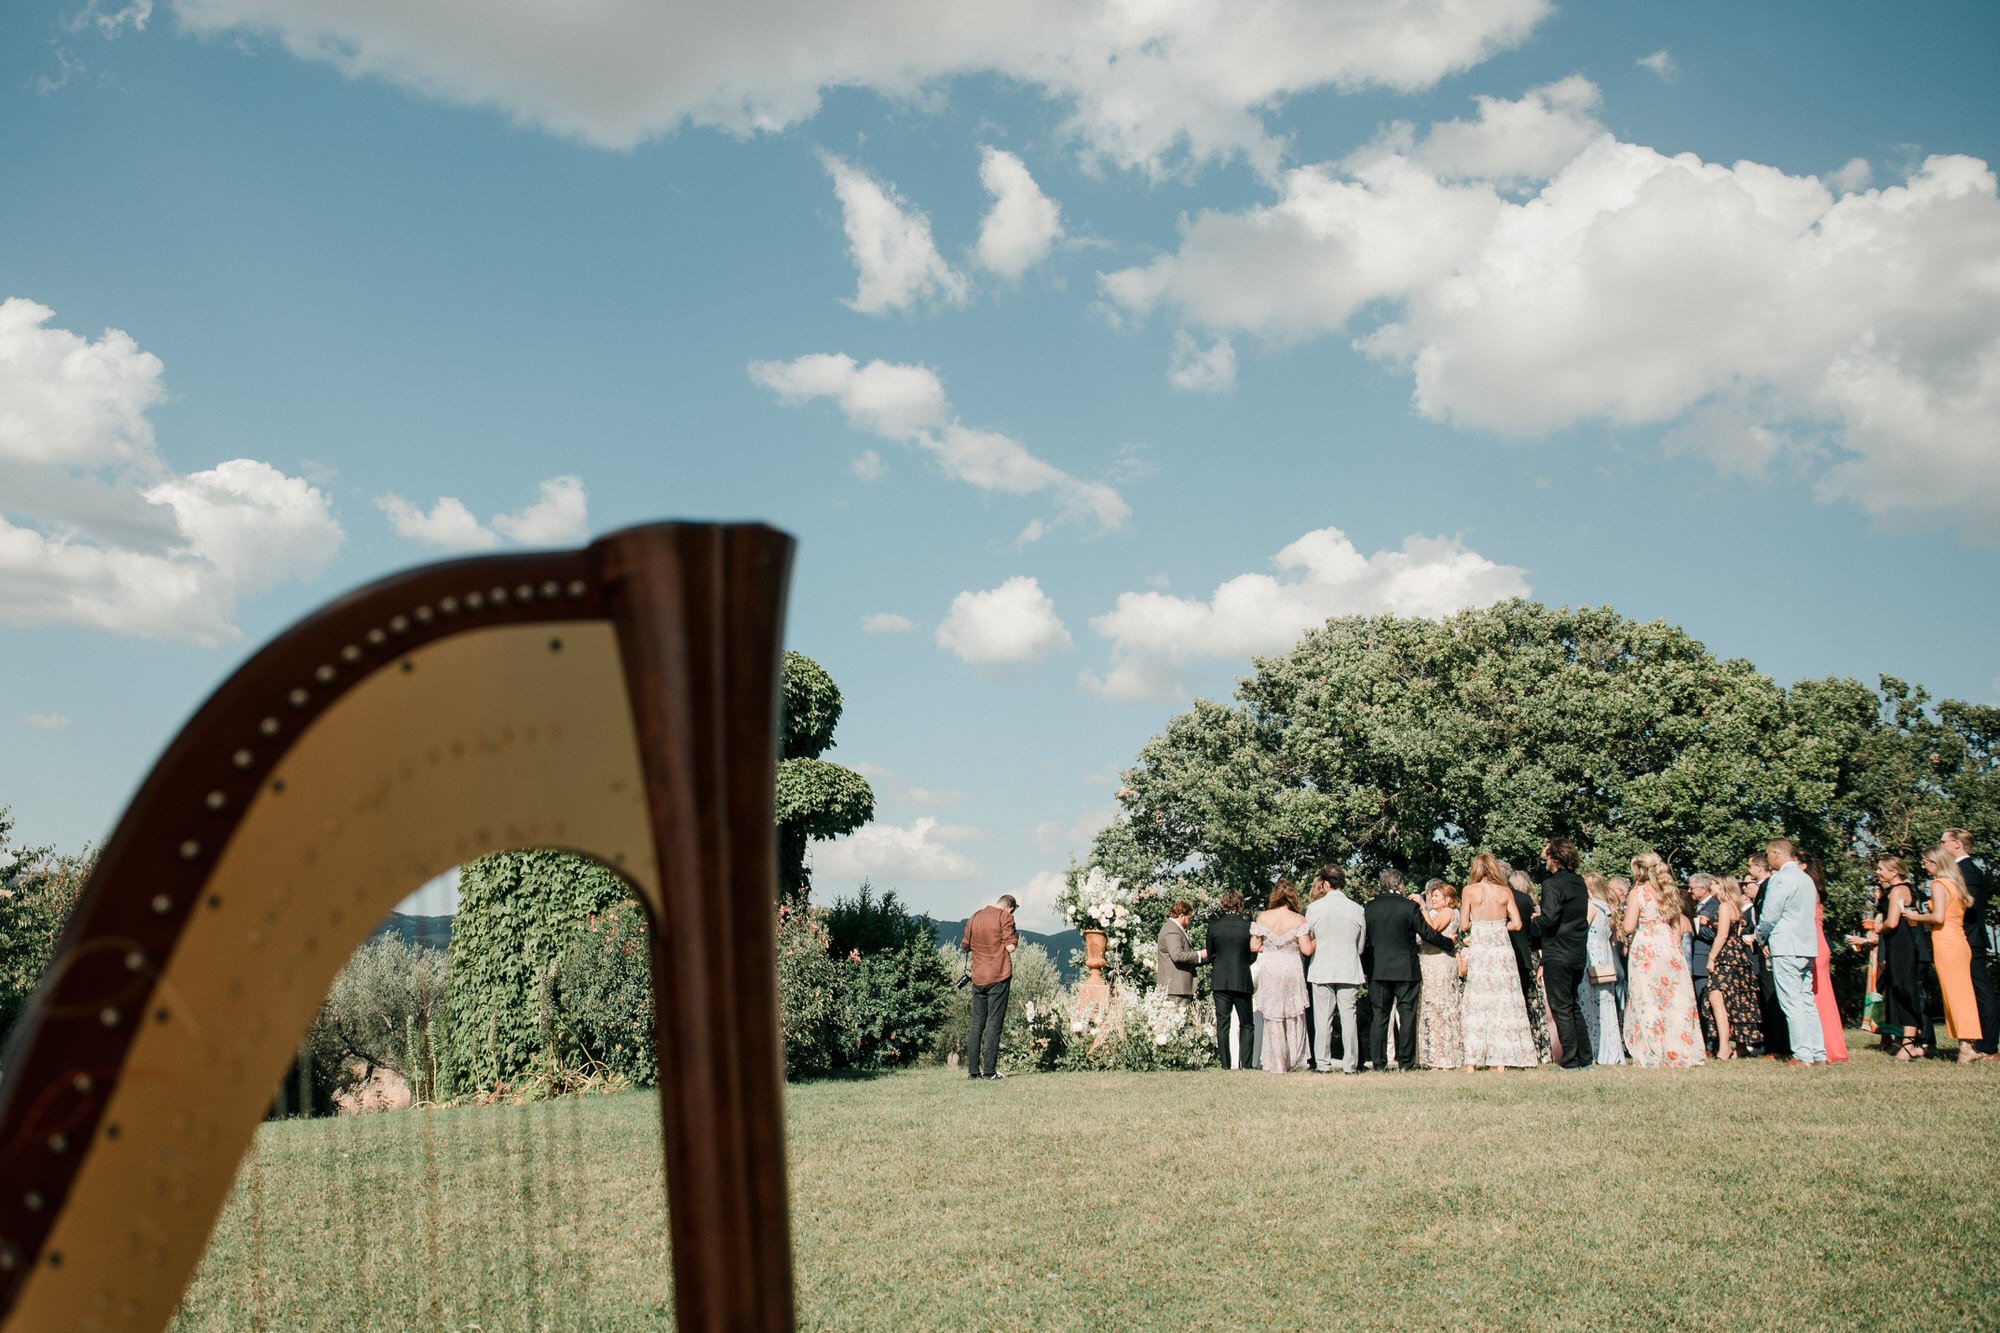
(989, 937)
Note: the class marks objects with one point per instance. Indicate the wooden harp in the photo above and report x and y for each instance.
(619, 701)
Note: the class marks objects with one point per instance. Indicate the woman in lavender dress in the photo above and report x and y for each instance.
(1278, 938)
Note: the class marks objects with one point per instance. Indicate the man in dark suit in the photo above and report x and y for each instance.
(1566, 949)
(1959, 843)
(1229, 978)
(1389, 954)
(1701, 940)
(1527, 942)
(1777, 1044)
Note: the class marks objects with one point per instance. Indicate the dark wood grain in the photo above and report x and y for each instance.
(700, 634)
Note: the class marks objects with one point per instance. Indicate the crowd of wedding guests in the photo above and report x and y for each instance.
(1579, 970)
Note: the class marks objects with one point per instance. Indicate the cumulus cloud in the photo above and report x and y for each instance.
(1037, 900)
(96, 529)
(1155, 636)
(889, 854)
(448, 524)
(908, 404)
(1144, 86)
(1750, 314)
(1661, 62)
(46, 722)
(1023, 224)
(896, 264)
(558, 517)
(868, 466)
(1013, 623)
(887, 622)
(1199, 369)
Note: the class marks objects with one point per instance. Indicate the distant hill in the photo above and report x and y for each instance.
(1057, 946)
(432, 932)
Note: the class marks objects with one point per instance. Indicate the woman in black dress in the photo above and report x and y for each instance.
(1901, 969)
(1732, 976)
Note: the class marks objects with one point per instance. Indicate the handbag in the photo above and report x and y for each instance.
(1603, 974)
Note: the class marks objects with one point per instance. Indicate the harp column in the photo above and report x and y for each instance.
(700, 619)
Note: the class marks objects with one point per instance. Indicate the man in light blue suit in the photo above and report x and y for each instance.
(1787, 929)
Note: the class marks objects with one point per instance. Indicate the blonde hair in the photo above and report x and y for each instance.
(1649, 871)
(1486, 866)
(1729, 890)
(1943, 865)
(1599, 888)
(1895, 866)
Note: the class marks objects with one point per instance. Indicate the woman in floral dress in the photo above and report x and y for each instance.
(1440, 1024)
(1495, 1014)
(1661, 1030)
(1278, 938)
(1732, 976)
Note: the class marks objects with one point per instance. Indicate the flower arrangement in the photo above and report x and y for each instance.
(1097, 901)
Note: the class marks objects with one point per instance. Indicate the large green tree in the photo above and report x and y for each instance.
(1384, 741)
(38, 889)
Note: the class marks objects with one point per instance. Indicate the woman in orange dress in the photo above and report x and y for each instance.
(1832, 1031)
(1950, 949)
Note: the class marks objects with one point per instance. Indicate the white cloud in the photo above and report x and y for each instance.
(1856, 174)
(1513, 143)
(96, 529)
(896, 402)
(448, 524)
(907, 403)
(1036, 904)
(868, 466)
(1750, 314)
(892, 787)
(1145, 86)
(1023, 224)
(1198, 369)
(46, 722)
(67, 400)
(558, 517)
(896, 264)
(1661, 62)
(1015, 622)
(890, 855)
(887, 622)
(1154, 635)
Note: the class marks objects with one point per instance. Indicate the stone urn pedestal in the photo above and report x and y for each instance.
(1093, 993)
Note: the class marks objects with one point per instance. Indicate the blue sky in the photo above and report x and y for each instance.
(1088, 349)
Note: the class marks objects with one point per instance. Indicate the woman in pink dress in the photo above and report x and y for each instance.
(1661, 1029)
(1278, 938)
(1829, 1012)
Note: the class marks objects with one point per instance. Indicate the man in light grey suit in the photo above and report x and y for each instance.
(1790, 934)
(1336, 923)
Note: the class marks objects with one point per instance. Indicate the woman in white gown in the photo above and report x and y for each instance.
(1497, 1035)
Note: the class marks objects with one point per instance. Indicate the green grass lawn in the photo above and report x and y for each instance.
(1734, 1195)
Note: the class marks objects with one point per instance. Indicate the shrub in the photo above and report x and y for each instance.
(811, 1005)
(518, 912)
(38, 890)
(601, 998)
